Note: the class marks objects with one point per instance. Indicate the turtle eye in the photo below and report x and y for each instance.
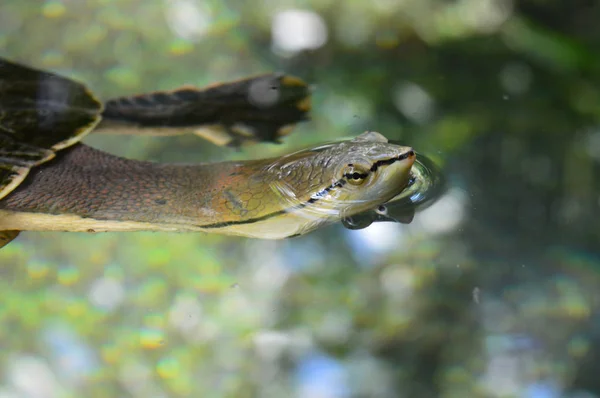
(356, 175)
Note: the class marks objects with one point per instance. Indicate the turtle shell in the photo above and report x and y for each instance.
(40, 114)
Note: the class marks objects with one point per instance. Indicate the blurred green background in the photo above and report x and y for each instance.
(491, 292)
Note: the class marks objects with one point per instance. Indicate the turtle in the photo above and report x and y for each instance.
(51, 181)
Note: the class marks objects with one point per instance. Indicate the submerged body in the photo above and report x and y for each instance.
(84, 189)
(49, 181)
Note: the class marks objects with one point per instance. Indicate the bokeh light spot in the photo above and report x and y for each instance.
(152, 338)
(54, 9)
(123, 76)
(168, 368)
(107, 293)
(110, 353)
(37, 269)
(181, 47)
(414, 102)
(68, 276)
(189, 19)
(296, 30)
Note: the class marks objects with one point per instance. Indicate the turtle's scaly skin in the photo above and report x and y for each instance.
(40, 113)
(83, 189)
(257, 109)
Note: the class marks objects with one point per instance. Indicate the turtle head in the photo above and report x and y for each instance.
(345, 178)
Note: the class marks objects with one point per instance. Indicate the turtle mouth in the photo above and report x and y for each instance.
(386, 162)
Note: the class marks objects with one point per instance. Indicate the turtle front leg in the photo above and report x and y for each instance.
(252, 110)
